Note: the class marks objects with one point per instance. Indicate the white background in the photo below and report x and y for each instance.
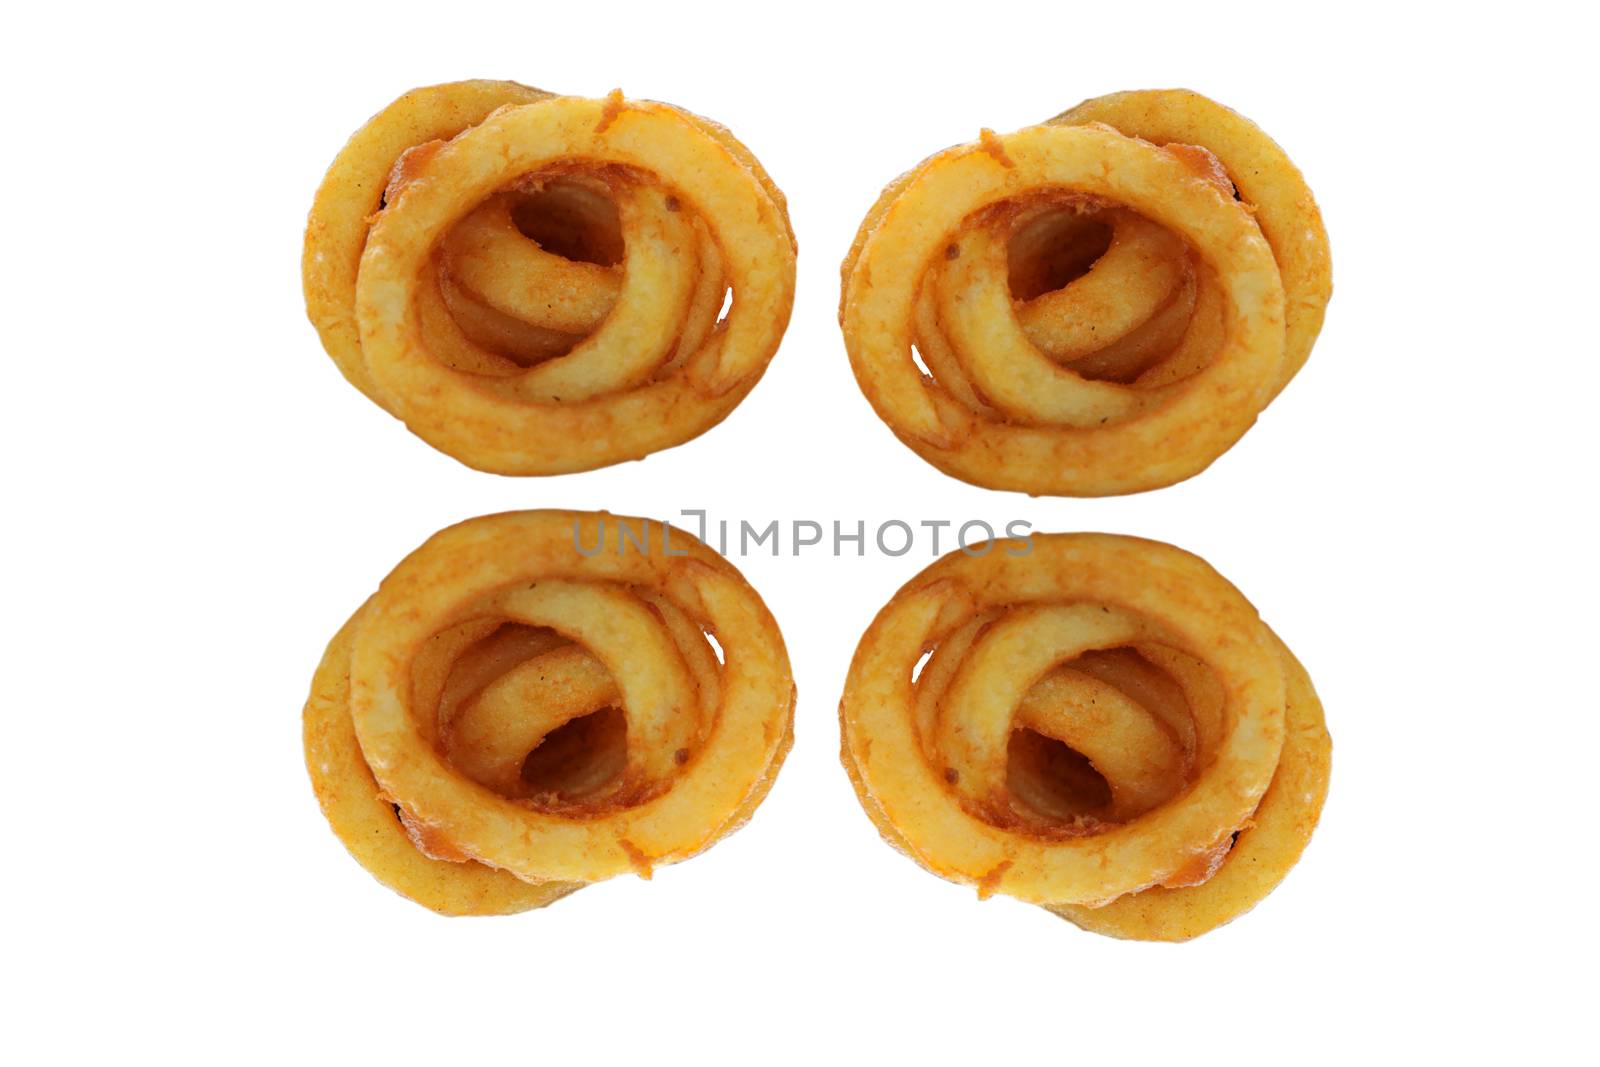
(198, 501)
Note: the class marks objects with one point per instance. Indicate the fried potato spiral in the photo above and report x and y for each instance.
(1101, 304)
(535, 284)
(1099, 724)
(530, 703)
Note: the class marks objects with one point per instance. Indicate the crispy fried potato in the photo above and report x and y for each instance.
(508, 719)
(1103, 303)
(1099, 728)
(534, 284)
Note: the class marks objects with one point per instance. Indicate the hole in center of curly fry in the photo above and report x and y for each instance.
(570, 220)
(578, 758)
(1054, 250)
(1053, 779)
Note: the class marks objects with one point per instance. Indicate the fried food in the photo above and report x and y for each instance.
(535, 284)
(1265, 180)
(1101, 304)
(1101, 725)
(510, 718)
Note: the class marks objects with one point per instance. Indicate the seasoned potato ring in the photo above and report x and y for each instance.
(1095, 721)
(1110, 440)
(509, 718)
(1056, 365)
(539, 292)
